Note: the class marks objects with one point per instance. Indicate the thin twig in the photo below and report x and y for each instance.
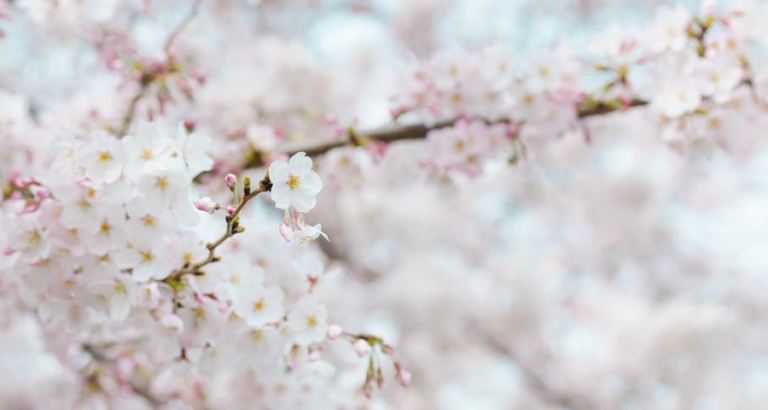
(128, 117)
(182, 25)
(265, 185)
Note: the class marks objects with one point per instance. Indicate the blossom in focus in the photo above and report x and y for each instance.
(294, 184)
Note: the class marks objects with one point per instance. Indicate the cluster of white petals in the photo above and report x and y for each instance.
(93, 245)
(578, 226)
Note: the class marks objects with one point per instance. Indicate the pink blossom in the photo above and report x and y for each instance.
(206, 204)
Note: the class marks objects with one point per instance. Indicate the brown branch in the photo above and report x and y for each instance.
(142, 391)
(128, 117)
(416, 131)
(233, 228)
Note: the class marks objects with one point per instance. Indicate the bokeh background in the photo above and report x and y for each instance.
(614, 274)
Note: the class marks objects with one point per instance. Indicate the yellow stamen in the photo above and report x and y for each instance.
(528, 99)
(33, 238)
(162, 182)
(294, 182)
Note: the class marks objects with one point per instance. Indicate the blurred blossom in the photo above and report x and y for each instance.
(430, 204)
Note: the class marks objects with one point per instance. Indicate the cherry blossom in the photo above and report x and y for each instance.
(206, 204)
(259, 306)
(513, 205)
(308, 322)
(294, 184)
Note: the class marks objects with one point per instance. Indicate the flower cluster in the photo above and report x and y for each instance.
(109, 244)
(144, 266)
(466, 146)
(690, 69)
(488, 84)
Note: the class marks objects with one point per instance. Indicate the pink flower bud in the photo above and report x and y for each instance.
(377, 149)
(206, 204)
(334, 331)
(199, 76)
(230, 180)
(223, 306)
(362, 347)
(231, 209)
(298, 219)
(387, 349)
(512, 130)
(339, 131)
(22, 182)
(368, 390)
(40, 192)
(404, 377)
(286, 231)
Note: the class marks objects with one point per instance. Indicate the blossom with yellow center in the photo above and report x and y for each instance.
(294, 182)
(105, 156)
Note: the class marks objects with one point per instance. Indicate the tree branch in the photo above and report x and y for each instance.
(131, 112)
(99, 357)
(418, 131)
